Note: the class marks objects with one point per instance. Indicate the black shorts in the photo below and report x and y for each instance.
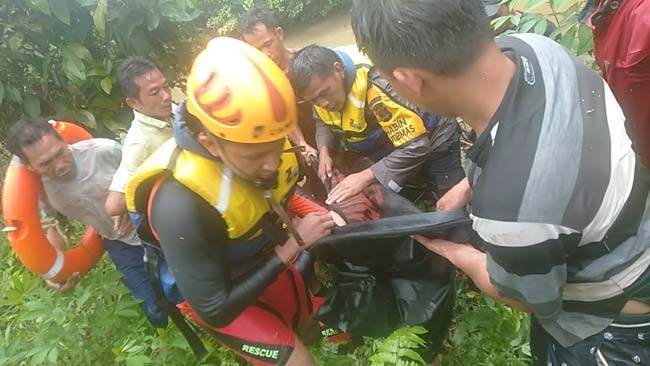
(626, 342)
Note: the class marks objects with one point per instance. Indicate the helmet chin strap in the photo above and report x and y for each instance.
(267, 185)
(282, 214)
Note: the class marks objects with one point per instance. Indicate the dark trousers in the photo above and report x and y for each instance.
(443, 169)
(626, 342)
(129, 261)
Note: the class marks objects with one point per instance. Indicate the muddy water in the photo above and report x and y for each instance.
(332, 31)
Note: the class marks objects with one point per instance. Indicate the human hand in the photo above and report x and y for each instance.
(314, 226)
(122, 224)
(438, 246)
(307, 152)
(310, 228)
(456, 198)
(65, 286)
(325, 164)
(56, 237)
(350, 185)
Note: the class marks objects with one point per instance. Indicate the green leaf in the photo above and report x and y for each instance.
(99, 17)
(568, 39)
(526, 25)
(96, 70)
(87, 119)
(515, 19)
(61, 10)
(73, 66)
(2, 92)
(15, 41)
(79, 50)
(41, 5)
(32, 105)
(512, 4)
(535, 4)
(138, 360)
(383, 358)
(53, 355)
(85, 3)
(411, 355)
(585, 40)
(540, 27)
(498, 22)
(153, 20)
(14, 95)
(128, 313)
(107, 85)
(39, 357)
(83, 298)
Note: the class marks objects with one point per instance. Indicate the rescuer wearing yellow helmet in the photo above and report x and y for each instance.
(214, 197)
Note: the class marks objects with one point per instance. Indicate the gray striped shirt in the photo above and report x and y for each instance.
(559, 199)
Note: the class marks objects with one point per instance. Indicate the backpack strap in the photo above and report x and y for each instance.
(153, 259)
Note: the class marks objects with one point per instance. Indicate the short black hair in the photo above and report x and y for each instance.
(26, 132)
(131, 69)
(441, 36)
(249, 20)
(313, 60)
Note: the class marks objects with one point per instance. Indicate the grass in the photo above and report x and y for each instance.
(98, 323)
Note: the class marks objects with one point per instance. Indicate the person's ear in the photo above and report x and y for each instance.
(134, 103)
(279, 32)
(208, 143)
(339, 69)
(410, 79)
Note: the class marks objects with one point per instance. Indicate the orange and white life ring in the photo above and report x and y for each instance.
(23, 222)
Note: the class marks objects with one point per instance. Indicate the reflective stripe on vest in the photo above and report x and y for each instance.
(241, 204)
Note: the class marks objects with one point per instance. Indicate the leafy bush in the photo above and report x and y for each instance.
(288, 12)
(486, 332)
(96, 323)
(569, 32)
(60, 56)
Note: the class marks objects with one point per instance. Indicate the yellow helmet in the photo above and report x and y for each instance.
(240, 94)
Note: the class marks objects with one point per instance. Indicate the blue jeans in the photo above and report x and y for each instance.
(129, 261)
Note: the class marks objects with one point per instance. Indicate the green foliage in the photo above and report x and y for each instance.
(96, 323)
(99, 323)
(400, 348)
(288, 12)
(569, 32)
(60, 56)
(486, 332)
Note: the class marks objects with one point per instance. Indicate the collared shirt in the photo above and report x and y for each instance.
(558, 196)
(145, 135)
(83, 196)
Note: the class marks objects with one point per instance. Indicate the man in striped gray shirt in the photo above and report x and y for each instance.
(558, 197)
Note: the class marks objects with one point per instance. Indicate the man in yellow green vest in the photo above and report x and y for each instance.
(214, 198)
(353, 104)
